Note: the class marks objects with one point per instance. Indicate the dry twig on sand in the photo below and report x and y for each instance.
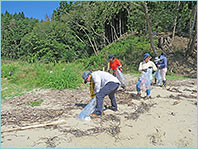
(35, 126)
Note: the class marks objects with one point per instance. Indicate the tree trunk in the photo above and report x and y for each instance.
(192, 38)
(116, 36)
(149, 26)
(175, 24)
(120, 23)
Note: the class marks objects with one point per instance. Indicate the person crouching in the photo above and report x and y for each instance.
(102, 84)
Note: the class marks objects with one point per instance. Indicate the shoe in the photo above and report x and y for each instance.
(113, 108)
(147, 97)
(93, 115)
(96, 115)
(164, 83)
(138, 96)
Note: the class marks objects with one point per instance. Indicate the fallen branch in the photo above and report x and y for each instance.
(35, 126)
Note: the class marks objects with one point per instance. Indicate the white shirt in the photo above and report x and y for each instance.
(101, 78)
(143, 65)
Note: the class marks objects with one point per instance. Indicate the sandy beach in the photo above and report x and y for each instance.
(168, 120)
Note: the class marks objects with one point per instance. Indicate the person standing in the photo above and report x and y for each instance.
(143, 68)
(163, 68)
(114, 63)
(102, 84)
(157, 73)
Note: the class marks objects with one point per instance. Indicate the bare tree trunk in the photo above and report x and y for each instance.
(112, 36)
(96, 47)
(192, 38)
(83, 27)
(149, 26)
(175, 23)
(114, 32)
(120, 24)
(91, 42)
(79, 38)
(100, 35)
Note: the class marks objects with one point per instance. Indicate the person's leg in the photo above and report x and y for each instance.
(106, 90)
(138, 89)
(163, 75)
(148, 92)
(164, 82)
(137, 86)
(112, 96)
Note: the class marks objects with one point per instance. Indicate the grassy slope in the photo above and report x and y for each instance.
(26, 77)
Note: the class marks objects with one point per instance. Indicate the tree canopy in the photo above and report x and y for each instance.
(81, 29)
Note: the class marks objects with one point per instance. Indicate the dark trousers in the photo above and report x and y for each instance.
(109, 89)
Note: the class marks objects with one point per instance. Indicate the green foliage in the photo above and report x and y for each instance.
(129, 51)
(78, 30)
(37, 75)
(51, 42)
(14, 28)
(62, 77)
(8, 70)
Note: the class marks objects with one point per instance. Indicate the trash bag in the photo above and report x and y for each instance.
(158, 77)
(145, 80)
(88, 109)
(121, 77)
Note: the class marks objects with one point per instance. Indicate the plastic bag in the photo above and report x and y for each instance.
(120, 77)
(146, 80)
(158, 77)
(88, 109)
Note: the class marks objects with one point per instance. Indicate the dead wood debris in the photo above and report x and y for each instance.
(140, 110)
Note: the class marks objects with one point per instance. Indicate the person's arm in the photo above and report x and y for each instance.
(119, 65)
(163, 64)
(154, 67)
(97, 82)
(141, 68)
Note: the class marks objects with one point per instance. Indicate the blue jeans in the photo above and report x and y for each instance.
(109, 89)
(148, 91)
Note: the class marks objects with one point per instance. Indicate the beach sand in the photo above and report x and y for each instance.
(168, 120)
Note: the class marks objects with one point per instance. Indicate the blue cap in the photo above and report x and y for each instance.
(146, 55)
(110, 57)
(85, 76)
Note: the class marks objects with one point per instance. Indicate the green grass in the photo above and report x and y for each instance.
(26, 77)
(35, 103)
(10, 90)
(175, 77)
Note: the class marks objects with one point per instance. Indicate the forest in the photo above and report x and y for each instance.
(79, 30)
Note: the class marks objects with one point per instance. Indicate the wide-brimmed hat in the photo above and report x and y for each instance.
(85, 76)
(146, 55)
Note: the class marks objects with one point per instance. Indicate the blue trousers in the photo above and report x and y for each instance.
(148, 91)
(109, 89)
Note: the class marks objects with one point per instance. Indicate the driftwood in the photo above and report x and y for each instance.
(34, 126)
